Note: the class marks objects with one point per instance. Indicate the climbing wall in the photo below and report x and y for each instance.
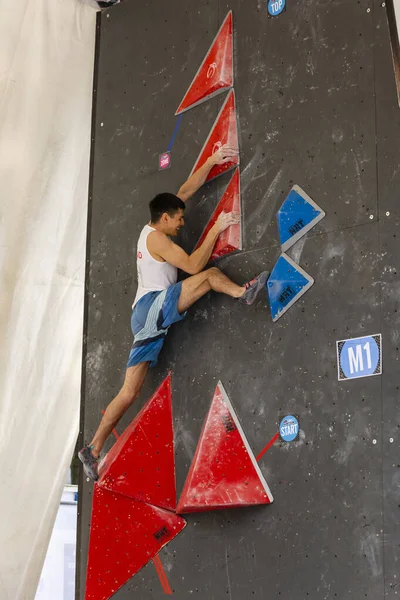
(316, 107)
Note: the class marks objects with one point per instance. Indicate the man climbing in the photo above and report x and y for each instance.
(160, 300)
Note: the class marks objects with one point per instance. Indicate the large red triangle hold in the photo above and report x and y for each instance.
(224, 472)
(215, 73)
(224, 131)
(141, 464)
(230, 239)
(124, 536)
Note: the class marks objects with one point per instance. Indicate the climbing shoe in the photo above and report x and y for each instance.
(253, 287)
(89, 462)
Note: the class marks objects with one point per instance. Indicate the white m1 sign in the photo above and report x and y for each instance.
(359, 357)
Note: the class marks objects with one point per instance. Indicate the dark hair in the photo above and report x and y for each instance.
(165, 203)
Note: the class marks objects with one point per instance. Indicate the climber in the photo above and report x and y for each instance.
(160, 299)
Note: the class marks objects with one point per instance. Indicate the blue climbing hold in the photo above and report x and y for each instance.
(297, 215)
(286, 284)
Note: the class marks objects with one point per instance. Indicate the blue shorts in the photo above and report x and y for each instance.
(151, 318)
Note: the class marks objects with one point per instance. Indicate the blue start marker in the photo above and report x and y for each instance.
(297, 215)
(289, 428)
(275, 7)
(359, 357)
(286, 284)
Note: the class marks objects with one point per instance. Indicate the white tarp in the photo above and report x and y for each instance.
(46, 71)
(397, 11)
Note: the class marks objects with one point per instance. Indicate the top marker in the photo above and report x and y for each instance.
(215, 73)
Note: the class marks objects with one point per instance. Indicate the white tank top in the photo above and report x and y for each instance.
(153, 275)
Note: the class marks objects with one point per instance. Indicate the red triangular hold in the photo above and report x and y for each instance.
(141, 464)
(230, 239)
(124, 536)
(215, 73)
(224, 131)
(224, 472)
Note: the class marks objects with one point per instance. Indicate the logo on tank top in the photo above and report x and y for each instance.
(139, 255)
